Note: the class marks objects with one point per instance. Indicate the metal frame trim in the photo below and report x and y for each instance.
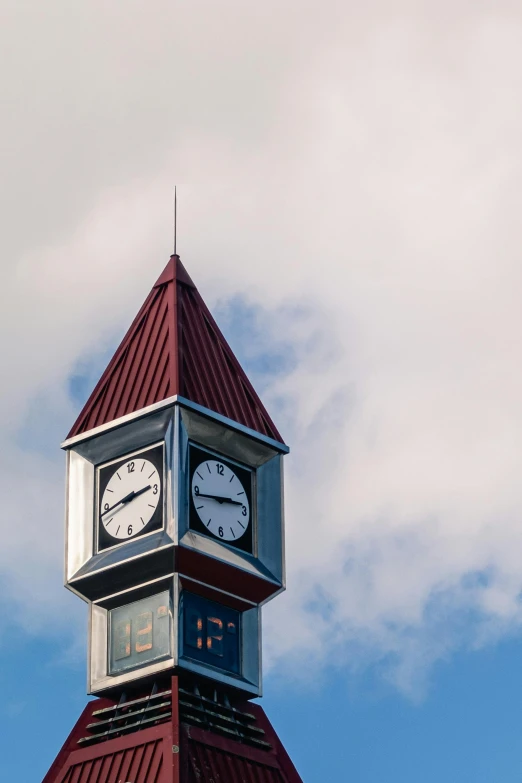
(186, 403)
(98, 679)
(97, 502)
(276, 444)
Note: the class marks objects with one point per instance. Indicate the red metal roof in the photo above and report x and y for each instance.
(174, 346)
(206, 765)
(171, 751)
(140, 764)
(210, 759)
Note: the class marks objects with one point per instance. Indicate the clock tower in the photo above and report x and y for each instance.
(175, 539)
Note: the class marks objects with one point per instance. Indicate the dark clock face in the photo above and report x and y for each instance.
(221, 499)
(130, 497)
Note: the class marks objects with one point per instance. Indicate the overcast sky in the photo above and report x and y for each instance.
(351, 175)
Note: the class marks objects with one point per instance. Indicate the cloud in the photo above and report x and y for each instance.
(353, 176)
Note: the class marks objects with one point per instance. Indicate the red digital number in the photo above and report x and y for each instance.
(215, 636)
(144, 632)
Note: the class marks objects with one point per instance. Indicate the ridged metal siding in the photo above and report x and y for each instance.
(174, 346)
(209, 765)
(196, 750)
(141, 764)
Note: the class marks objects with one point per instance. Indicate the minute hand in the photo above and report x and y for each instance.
(219, 499)
(126, 499)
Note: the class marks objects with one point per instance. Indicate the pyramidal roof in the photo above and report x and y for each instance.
(174, 346)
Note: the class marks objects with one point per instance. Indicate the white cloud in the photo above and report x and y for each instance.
(356, 174)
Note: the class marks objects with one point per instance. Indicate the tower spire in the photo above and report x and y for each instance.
(175, 218)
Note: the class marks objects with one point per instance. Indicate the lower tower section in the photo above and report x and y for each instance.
(177, 732)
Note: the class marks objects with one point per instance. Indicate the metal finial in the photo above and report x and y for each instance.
(175, 216)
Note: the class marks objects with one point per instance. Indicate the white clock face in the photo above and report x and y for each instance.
(220, 500)
(130, 498)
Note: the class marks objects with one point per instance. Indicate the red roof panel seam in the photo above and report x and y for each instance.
(152, 750)
(158, 338)
(112, 381)
(109, 411)
(95, 413)
(206, 312)
(90, 402)
(245, 413)
(161, 370)
(124, 391)
(106, 767)
(215, 381)
(116, 393)
(234, 409)
(156, 765)
(181, 294)
(227, 351)
(259, 417)
(148, 339)
(197, 349)
(172, 296)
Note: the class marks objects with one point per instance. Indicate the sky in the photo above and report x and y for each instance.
(349, 178)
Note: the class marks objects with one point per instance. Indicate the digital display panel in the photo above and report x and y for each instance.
(211, 633)
(139, 633)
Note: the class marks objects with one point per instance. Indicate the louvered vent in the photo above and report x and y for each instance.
(128, 716)
(221, 718)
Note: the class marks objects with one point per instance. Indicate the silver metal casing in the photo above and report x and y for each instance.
(176, 422)
(100, 681)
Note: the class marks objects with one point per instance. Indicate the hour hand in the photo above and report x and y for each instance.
(219, 498)
(127, 499)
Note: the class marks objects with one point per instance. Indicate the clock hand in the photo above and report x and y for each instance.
(127, 499)
(219, 499)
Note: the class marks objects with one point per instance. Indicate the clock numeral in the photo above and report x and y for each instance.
(129, 530)
(244, 512)
(155, 489)
(106, 507)
(220, 468)
(196, 490)
(221, 533)
(130, 467)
